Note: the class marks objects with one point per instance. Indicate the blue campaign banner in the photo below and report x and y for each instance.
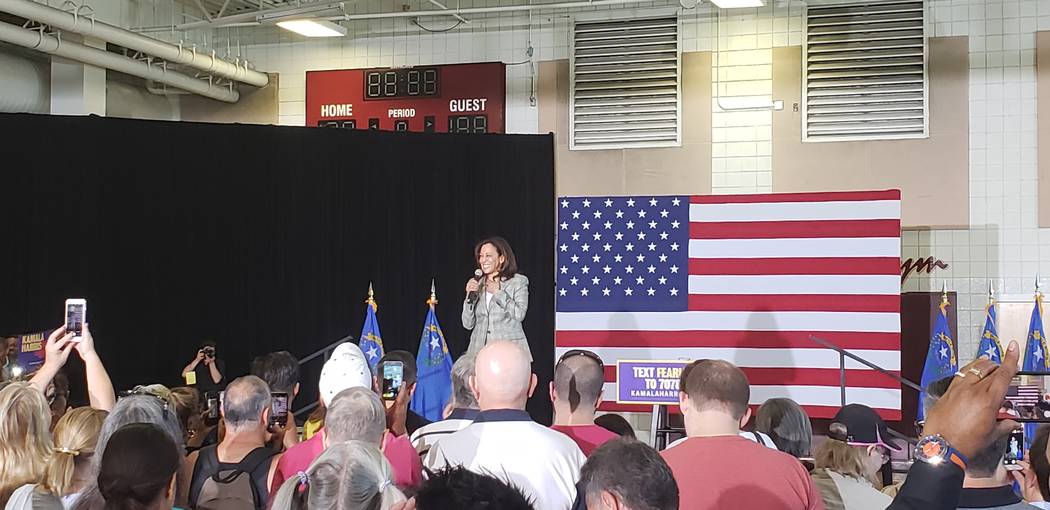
(648, 382)
(31, 351)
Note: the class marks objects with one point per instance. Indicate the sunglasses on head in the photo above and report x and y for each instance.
(581, 352)
(144, 392)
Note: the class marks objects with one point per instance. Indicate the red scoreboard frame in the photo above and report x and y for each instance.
(451, 98)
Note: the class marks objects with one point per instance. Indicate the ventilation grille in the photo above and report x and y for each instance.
(624, 89)
(865, 71)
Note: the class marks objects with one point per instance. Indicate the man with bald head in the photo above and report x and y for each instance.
(715, 467)
(246, 412)
(504, 442)
(576, 392)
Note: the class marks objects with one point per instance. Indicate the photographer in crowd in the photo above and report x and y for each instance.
(209, 371)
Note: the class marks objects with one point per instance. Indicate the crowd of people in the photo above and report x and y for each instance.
(157, 448)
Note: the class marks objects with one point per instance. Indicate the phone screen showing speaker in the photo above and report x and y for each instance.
(1014, 448)
(75, 318)
(279, 408)
(393, 374)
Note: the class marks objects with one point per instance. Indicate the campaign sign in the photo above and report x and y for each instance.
(648, 382)
(31, 350)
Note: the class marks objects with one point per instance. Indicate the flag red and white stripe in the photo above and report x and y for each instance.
(764, 273)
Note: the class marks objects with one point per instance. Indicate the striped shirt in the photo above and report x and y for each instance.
(425, 437)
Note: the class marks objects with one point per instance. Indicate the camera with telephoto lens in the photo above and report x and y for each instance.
(209, 352)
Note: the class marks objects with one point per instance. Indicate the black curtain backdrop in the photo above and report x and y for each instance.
(261, 238)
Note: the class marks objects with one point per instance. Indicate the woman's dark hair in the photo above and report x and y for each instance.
(615, 423)
(137, 466)
(509, 268)
(787, 424)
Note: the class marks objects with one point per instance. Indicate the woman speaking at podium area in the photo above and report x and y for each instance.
(497, 297)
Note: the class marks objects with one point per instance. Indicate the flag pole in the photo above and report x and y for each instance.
(433, 300)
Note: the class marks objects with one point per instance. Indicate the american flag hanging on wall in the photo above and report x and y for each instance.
(745, 278)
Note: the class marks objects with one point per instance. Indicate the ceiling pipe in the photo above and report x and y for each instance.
(171, 53)
(257, 18)
(37, 40)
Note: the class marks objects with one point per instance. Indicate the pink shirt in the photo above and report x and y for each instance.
(588, 437)
(734, 472)
(408, 469)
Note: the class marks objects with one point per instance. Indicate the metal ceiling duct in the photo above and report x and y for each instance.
(171, 53)
(36, 40)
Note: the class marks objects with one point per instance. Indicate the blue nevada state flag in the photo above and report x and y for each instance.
(1035, 349)
(989, 337)
(1035, 355)
(941, 360)
(433, 369)
(371, 341)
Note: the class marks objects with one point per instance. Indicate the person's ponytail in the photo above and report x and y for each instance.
(76, 435)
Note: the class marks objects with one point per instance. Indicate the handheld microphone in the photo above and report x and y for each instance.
(472, 297)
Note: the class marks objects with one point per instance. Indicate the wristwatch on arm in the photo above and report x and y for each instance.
(935, 450)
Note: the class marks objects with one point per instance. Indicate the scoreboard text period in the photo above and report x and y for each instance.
(453, 98)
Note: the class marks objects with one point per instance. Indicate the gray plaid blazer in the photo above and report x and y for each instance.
(501, 318)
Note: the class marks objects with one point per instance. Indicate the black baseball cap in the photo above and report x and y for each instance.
(863, 427)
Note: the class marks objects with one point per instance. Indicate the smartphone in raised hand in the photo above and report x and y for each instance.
(279, 409)
(1014, 450)
(393, 376)
(76, 315)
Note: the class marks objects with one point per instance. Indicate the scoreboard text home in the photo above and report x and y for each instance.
(455, 98)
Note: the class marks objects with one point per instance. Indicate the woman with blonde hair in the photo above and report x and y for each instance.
(25, 437)
(847, 461)
(68, 469)
(348, 476)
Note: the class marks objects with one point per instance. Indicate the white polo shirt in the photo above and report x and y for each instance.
(426, 436)
(505, 443)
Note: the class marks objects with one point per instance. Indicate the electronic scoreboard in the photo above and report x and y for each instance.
(452, 98)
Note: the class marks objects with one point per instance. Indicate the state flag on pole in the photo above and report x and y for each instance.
(989, 337)
(941, 358)
(1035, 350)
(371, 341)
(1035, 358)
(433, 368)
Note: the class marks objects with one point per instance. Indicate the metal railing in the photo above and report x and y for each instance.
(323, 353)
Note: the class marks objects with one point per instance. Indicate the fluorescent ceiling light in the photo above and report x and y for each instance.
(313, 27)
(733, 4)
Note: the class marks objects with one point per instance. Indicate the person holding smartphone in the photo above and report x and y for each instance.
(497, 297)
(209, 371)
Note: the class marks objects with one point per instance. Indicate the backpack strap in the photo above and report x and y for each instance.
(249, 465)
(206, 465)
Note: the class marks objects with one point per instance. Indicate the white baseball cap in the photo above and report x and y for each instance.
(346, 368)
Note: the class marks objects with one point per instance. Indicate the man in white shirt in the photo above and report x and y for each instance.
(543, 463)
(461, 410)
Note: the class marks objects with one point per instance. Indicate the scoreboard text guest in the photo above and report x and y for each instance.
(456, 98)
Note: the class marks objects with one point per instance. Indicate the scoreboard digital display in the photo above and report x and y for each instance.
(453, 98)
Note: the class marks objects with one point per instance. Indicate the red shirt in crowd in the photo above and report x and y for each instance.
(588, 437)
(408, 469)
(733, 472)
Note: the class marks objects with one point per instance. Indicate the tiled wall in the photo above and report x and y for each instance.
(1002, 242)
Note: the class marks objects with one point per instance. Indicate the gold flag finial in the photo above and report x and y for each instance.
(371, 298)
(944, 292)
(433, 294)
(991, 292)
